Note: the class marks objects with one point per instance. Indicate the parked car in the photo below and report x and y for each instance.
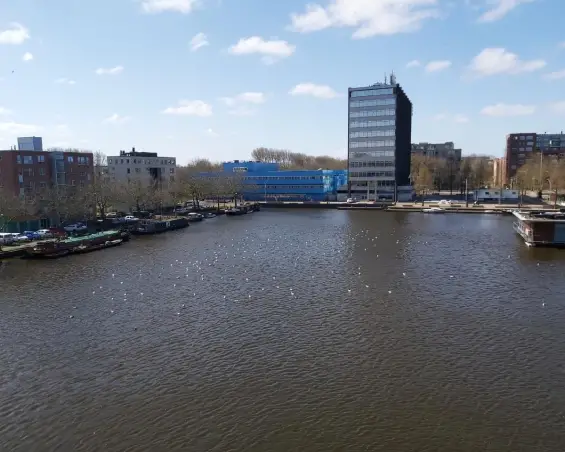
(77, 227)
(32, 235)
(44, 233)
(350, 200)
(20, 238)
(445, 202)
(6, 238)
(130, 218)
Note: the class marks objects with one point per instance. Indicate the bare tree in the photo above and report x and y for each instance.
(136, 193)
(423, 180)
(295, 160)
(555, 177)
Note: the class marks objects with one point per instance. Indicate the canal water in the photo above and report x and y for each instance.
(290, 331)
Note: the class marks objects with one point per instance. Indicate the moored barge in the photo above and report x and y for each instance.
(50, 249)
(156, 226)
(541, 228)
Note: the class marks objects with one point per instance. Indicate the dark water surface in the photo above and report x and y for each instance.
(290, 331)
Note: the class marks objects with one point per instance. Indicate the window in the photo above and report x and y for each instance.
(138, 170)
(42, 171)
(371, 144)
(73, 183)
(28, 160)
(70, 159)
(372, 92)
(109, 161)
(172, 170)
(128, 171)
(370, 113)
(19, 159)
(364, 124)
(371, 103)
(42, 185)
(28, 172)
(83, 173)
(83, 160)
(82, 183)
(40, 159)
(372, 133)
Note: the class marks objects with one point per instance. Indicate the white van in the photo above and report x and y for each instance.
(6, 238)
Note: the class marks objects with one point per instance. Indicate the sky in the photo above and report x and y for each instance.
(217, 78)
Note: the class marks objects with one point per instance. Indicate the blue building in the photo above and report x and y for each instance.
(267, 182)
(30, 144)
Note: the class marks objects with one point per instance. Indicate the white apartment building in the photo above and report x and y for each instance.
(142, 165)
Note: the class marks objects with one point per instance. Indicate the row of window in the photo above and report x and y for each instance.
(28, 159)
(372, 102)
(373, 133)
(371, 113)
(370, 163)
(31, 185)
(261, 178)
(522, 149)
(296, 187)
(138, 170)
(371, 173)
(361, 154)
(523, 137)
(378, 183)
(379, 123)
(372, 92)
(371, 144)
(115, 161)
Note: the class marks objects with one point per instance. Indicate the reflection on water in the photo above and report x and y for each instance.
(290, 330)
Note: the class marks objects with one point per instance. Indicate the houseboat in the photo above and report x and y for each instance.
(49, 249)
(194, 217)
(541, 228)
(158, 225)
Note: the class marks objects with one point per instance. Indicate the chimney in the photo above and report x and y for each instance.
(133, 150)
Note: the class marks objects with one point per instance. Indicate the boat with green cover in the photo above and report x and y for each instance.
(58, 248)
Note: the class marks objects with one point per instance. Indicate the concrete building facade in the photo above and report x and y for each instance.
(142, 165)
(444, 151)
(379, 140)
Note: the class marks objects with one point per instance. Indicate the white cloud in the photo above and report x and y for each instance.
(190, 108)
(110, 71)
(27, 57)
(5, 111)
(116, 119)
(65, 81)
(501, 110)
(413, 63)
(15, 128)
(370, 17)
(211, 133)
(555, 75)
(198, 41)
(159, 6)
(496, 60)
(271, 51)
(558, 107)
(16, 34)
(437, 66)
(311, 89)
(500, 8)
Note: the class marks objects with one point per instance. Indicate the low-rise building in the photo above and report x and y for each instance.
(267, 182)
(26, 172)
(445, 151)
(144, 165)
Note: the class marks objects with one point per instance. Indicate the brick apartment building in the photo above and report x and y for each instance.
(26, 172)
(521, 146)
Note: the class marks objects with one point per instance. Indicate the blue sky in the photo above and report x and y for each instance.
(217, 78)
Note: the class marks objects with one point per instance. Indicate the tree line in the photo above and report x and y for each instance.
(104, 194)
(297, 161)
